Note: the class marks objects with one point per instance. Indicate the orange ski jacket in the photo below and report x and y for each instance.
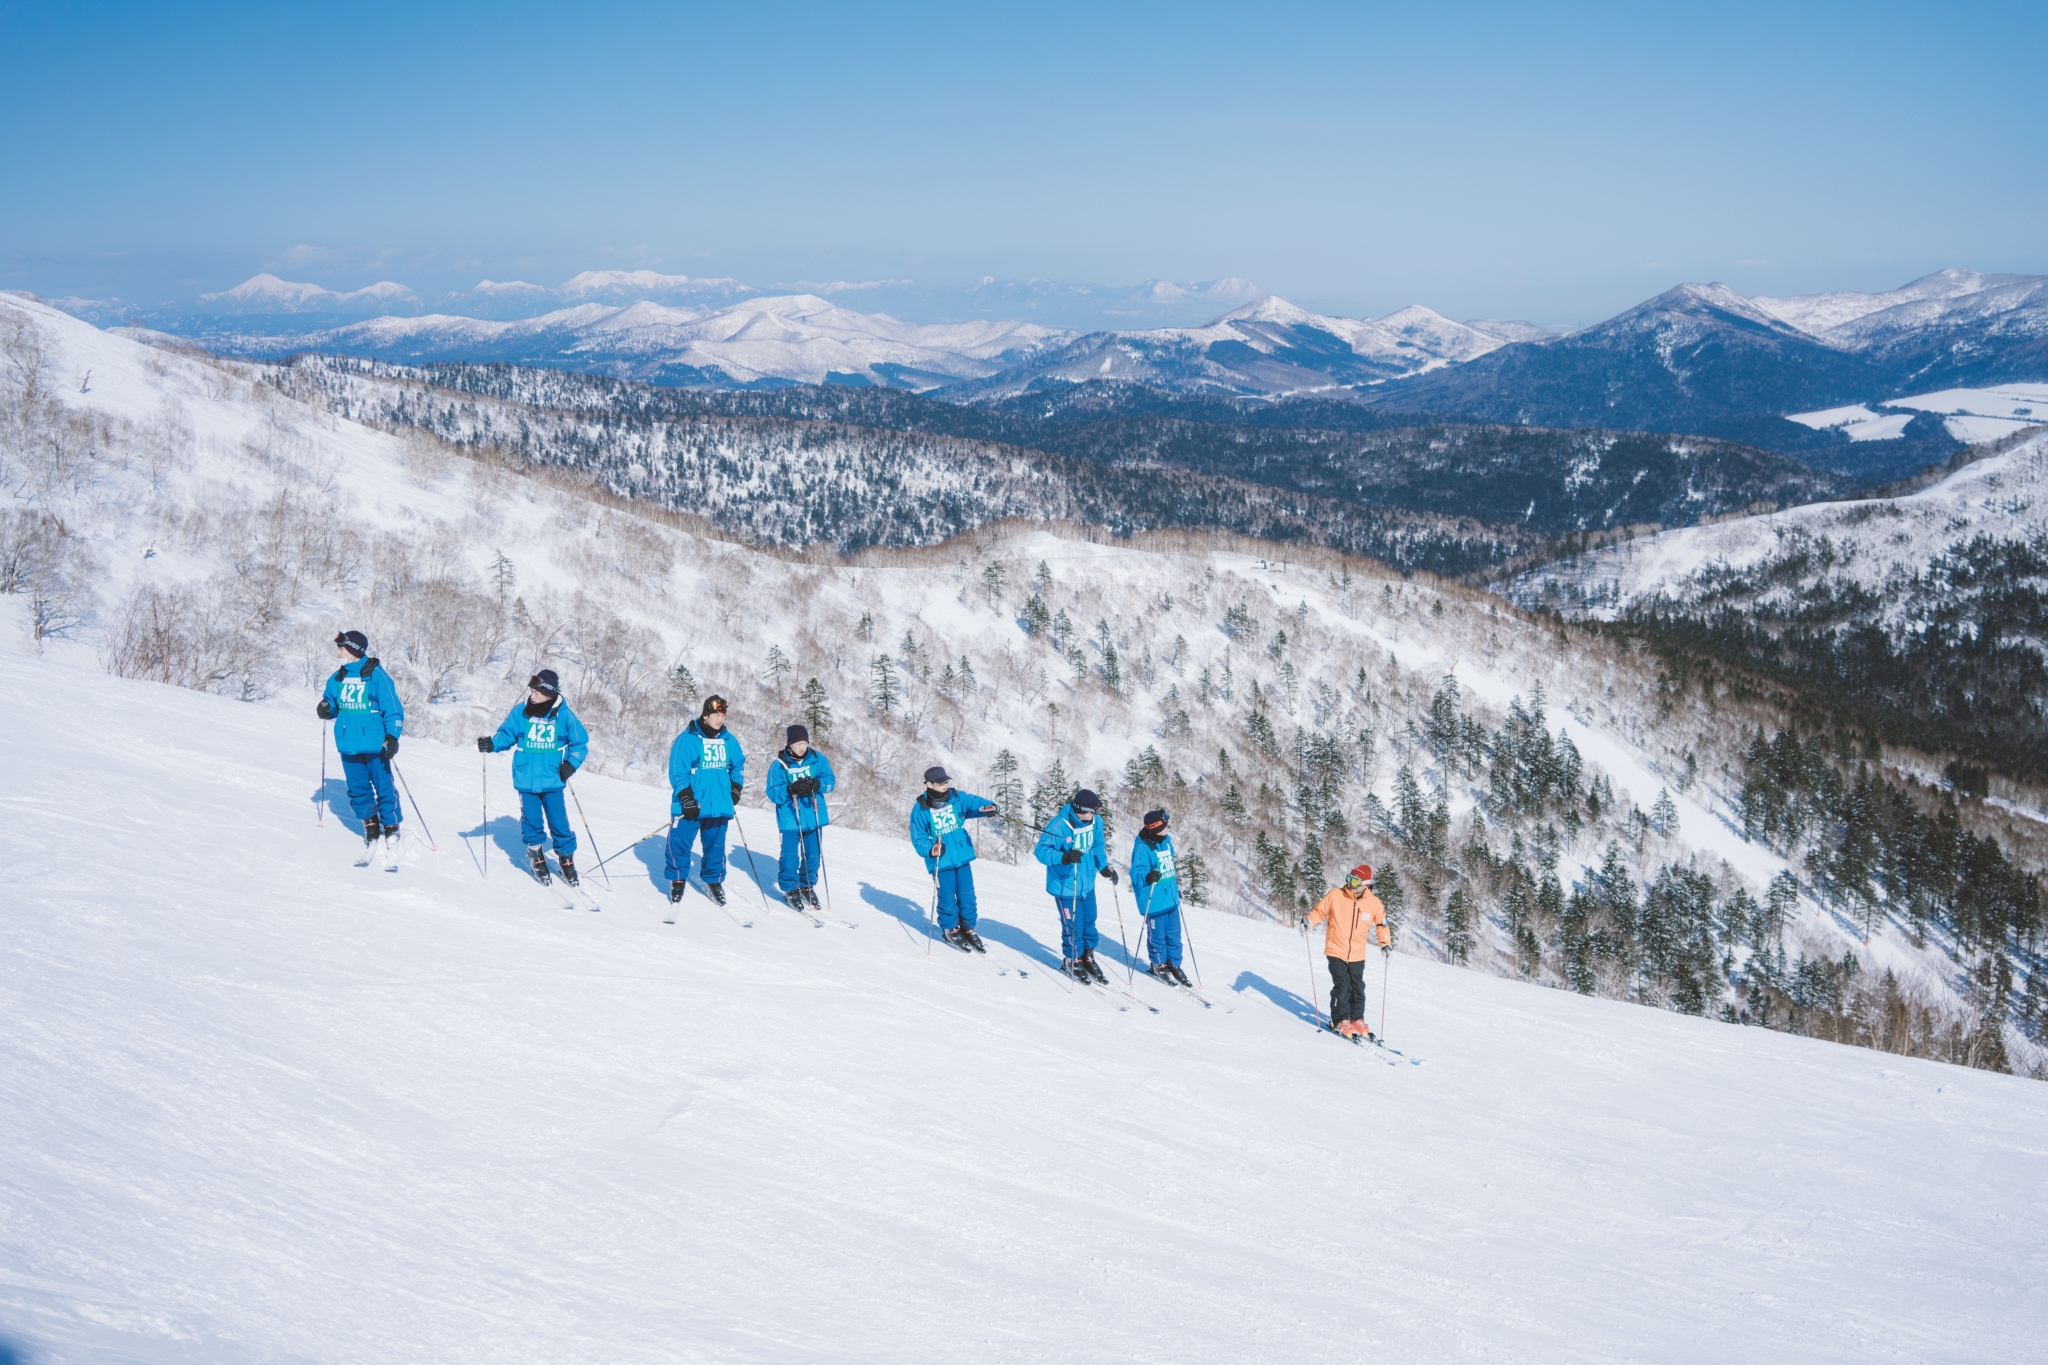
(1346, 938)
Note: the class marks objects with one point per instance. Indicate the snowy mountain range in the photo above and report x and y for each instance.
(1699, 359)
(798, 338)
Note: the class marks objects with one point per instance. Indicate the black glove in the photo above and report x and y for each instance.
(325, 710)
(1110, 873)
(987, 811)
(484, 745)
(1072, 855)
(1152, 877)
(688, 799)
(390, 747)
(804, 786)
(566, 769)
(736, 790)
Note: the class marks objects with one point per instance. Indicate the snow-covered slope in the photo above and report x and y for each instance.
(1972, 416)
(2003, 497)
(259, 1106)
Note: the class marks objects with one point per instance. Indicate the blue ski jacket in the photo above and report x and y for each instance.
(800, 812)
(708, 764)
(366, 707)
(946, 825)
(542, 742)
(1063, 832)
(1163, 895)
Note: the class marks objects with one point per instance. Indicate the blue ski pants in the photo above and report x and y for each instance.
(799, 865)
(956, 897)
(683, 835)
(1162, 938)
(372, 794)
(536, 806)
(1077, 924)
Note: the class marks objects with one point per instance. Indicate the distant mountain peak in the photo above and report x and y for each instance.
(267, 290)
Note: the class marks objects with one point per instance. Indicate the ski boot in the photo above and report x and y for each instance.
(1161, 972)
(1074, 967)
(392, 841)
(1180, 978)
(372, 833)
(717, 890)
(568, 869)
(972, 939)
(957, 937)
(675, 892)
(1094, 969)
(810, 895)
(538, 858)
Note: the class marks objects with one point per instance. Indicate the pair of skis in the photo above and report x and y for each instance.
(390, 850)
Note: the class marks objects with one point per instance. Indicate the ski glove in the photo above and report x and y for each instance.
(736, 790)
(390, 747)
(804, 786)
(483, 744)
(988, 811)
(1072, 855)
(1110, 873)
(566, 769)
(688, 801)
(1152, 877)
(325, 710)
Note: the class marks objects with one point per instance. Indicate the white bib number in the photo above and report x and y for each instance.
(355, 695)
(714, 753)
(1165, 864)
(945, 820)
(540, 733)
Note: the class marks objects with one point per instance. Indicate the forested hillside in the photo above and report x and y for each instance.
(1528, 488)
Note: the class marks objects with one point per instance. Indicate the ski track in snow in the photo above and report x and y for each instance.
(258, 1105)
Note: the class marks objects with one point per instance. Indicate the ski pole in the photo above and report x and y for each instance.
(431, 844)
(1188, 934)
(766, 909)
(483, 762)
(320, 801)
(588, 835)
(1314, 998)
(1130, 969)
(824, 868)
(1386, 962)
(635, 844)
(935, 914)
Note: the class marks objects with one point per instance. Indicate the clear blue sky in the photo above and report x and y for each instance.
(1556, 163)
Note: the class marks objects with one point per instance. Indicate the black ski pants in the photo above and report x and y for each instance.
(1347, 990)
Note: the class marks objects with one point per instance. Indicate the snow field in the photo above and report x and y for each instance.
(259, 1105)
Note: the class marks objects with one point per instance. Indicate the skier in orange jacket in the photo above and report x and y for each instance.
(1348, 911)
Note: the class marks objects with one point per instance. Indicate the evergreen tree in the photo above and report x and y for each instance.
(1458, 926)
(1387, 883)
(776, 667)
(682, 687)
(883, 689)
(817, 708)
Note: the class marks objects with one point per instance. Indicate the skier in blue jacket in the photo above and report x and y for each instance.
(707, 771)
(938, 830)
(799, 779)
(1156, 885)
(368, 719)
(1074, 852)
(551, 745)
